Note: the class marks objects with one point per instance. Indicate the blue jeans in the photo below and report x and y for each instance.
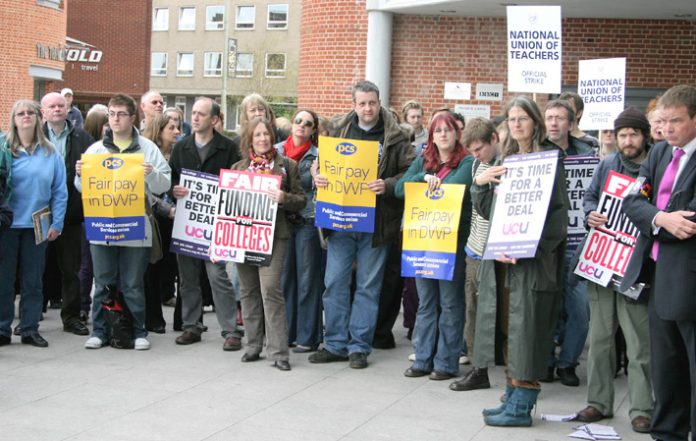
(19, 243)
(123, 267)
(351, 327)
(577, 320)
(437, 337)
(302, 286)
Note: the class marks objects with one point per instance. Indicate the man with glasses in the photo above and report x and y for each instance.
(151, 104)
(123, 264)
(63, 256)
(559, 117)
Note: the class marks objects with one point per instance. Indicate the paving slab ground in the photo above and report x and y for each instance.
(199, 392)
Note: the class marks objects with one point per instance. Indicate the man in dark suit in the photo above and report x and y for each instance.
(664, 210)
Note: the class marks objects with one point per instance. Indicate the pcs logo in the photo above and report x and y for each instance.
(435, 194)
(346, 148)
(112, 163)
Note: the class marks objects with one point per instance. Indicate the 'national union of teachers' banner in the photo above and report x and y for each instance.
(113, 197)
(245, 218)
(608, 248)
(534, 49)
(431, 225)
(601, 84)
(523, 199)
(579, 171)
(195, 214)
(346, 204)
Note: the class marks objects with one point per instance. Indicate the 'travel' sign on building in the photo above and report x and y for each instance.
(85, 54)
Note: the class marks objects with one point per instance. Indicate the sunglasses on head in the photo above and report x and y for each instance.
(300, 121)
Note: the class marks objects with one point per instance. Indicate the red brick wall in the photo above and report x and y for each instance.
(121, 29)
(24, 25)
(332, 53)
(428, 51)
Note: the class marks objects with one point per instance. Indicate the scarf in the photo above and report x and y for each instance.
(296, 152)
(631, 167)
(261, 163)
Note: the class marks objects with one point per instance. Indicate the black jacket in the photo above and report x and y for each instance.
(75, 145)
(222, 154)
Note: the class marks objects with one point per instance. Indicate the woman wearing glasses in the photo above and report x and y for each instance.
(302, 276)
(37, 181)
(263, 305)
(529, 290)
(437, 336)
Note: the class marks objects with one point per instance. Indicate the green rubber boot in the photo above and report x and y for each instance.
(518, 411)
(496, 410)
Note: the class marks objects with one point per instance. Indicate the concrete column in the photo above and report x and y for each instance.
(379, 45)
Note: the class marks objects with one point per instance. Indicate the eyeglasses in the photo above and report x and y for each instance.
(521, 120)
(25, 113)
(444, 130)
(118, 115)
(308, 124)
(556, 118)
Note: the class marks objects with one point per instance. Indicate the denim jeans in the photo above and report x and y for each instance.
(437, 337)
(124, 267)
(577, 320)
(350, 327)
(18, 243)
(302, 286)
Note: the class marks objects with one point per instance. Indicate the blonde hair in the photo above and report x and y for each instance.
(38, 136)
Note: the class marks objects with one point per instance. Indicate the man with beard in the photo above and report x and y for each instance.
(610, 309)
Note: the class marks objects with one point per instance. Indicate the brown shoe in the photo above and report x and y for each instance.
(641, 424)
(590, 415)
(188, 338)
(232, 344)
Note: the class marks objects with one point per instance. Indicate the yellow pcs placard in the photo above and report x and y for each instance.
(431, 219)
(349, 165)
(113, 185)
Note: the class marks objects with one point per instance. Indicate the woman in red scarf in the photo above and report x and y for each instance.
(262, 300)
(302, 278)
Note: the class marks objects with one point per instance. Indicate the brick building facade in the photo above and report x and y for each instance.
(428, 51)
(33, 38)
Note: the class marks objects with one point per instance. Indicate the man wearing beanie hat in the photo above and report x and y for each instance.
(609, 308)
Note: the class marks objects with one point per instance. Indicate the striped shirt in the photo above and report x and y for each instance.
(479, 226)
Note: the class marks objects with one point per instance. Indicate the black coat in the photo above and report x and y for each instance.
(674, 282)
(76, 144)
(222, 154)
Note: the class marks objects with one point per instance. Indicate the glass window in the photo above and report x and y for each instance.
(245, 17)
(160, 19)
(214, 18)
(278, 16)
(187, 19)
(184, 64)
(275, 65)
(158, 64)
(245, 66)
(212, 64)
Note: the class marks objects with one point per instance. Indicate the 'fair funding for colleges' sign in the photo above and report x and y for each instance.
(521, 205)
(601, 84)
(534, 49)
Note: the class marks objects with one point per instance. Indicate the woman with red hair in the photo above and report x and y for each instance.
(437, 337)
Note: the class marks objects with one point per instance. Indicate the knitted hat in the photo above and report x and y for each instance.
(632, 118)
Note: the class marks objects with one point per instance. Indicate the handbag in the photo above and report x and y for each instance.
(294, 218)
(156, 253)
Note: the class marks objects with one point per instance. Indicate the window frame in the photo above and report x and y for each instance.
(152, 64)
(285, 65)
(268, 17)
(179, 56)
(206, 58)
(237, 71)
(181, 10)
(236, 18)
(207, 22)
(166, 22)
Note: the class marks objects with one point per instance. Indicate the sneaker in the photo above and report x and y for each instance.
(324, 356)
(412, 357)
(464, 359)
(94, 343)
(358, 360)
(474, 379)
(141, 344)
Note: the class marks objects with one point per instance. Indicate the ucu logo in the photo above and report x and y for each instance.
(591, 270)
(112, 163)
(198, 233)
(435, 194)
(229, 254)
(346, 148)
(515, 228)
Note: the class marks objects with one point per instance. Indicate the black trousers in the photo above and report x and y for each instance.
(61, 275)
(673, 360)
(390, 297)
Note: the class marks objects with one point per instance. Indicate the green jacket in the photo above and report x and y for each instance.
(536, 288)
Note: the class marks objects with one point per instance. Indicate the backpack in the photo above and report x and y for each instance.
(119, 318)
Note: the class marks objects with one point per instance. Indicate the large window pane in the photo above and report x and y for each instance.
(187, 19)
(214, 18)
(212, 64)
(184, 64)
(158, 64)
(278, 16)
(160, 19)
(275, 65)
(245, 17)
(245, 65)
